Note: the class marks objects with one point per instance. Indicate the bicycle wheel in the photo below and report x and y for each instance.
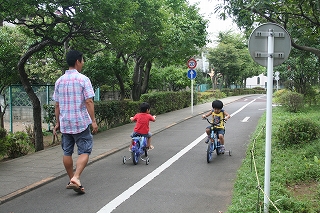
(218, 148)
(135, 157)
(209, 152)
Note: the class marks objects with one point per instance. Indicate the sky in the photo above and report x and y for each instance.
(215, 24)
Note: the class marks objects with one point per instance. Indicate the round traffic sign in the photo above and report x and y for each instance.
(192, 74)
(258, 44)
(192, 63)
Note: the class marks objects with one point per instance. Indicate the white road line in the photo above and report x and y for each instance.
(112, 205)
(133, 189)
(243, 107)
(245, 119)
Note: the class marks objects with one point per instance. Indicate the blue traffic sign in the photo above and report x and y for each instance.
(192, 74)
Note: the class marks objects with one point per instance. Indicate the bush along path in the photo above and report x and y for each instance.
(295, 166)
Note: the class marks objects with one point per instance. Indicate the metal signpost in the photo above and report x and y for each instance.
(192, 63)
(269, 46)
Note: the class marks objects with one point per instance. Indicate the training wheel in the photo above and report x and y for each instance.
(124, 160)
(229, 152)
(147, 161)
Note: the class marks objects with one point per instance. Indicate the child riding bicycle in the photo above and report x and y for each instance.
(142, 124)
(219, 116)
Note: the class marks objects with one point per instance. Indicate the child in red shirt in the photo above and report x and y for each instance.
(142, 123)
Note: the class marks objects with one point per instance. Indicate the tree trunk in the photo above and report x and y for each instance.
(119, 77)
(1, 118)
(137, 78)
(146, 77)
(37, 121)
(121, 85)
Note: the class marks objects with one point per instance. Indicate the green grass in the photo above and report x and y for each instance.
(295, 171)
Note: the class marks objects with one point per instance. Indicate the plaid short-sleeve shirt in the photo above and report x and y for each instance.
(71, 90)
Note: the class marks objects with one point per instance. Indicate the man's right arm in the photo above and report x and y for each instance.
(57, 114)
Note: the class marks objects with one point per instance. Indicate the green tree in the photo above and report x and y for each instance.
(160, 32)
(170, 78)
(231, 59)
(11, 42)
(299, 18)
(106, 69)
(55, 23)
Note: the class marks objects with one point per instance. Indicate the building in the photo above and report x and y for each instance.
(257, 81)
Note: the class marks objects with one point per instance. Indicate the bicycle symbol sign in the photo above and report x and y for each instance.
(192, 63)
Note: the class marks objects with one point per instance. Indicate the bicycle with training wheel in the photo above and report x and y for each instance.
(138, 149)
(214, 143)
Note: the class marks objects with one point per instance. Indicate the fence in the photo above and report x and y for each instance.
(20, 109)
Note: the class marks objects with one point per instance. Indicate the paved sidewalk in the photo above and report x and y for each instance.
(26, 173)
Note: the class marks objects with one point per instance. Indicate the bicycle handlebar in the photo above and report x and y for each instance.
(213, 124)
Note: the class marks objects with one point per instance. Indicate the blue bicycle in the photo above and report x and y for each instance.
(139, 144)
(214, 143)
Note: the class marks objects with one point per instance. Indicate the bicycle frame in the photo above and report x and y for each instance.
(138, 148)
(215, 137)
(214, 143)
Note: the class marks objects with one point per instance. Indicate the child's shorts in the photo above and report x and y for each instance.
(219, 131)
(135, 134)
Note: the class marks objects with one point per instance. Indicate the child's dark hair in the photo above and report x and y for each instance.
(217, 104)
(73, 56)
(144, 107)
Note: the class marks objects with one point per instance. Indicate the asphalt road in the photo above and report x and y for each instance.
(177, 179)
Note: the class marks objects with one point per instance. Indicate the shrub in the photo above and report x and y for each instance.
(50, 117)
(277, 96)
(19, 144)
(293, 101)
(297, 131)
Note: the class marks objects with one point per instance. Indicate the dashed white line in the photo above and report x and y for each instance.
(245, 119)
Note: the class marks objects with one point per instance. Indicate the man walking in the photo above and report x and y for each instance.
(74, 111)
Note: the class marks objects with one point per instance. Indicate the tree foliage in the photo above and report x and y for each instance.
(299, 18)
(142, 30)
(231, 60)
(10, 49)
(169, 78)
(55, 23)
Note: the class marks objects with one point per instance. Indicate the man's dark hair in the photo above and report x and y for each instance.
(144, 107)
(73, 56)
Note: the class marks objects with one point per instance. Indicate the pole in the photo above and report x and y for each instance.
(191, 94)
(268, 120)
(10, 103)
(48, 102)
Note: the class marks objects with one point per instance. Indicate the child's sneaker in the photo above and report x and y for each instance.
(222, 149)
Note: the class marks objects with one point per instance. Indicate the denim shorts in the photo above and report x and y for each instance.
(220, 131)
(134, 134)
(84, 141)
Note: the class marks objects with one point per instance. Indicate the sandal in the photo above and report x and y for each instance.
(68, 186)
(150, 148)
(79, 189)
(76, 187)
